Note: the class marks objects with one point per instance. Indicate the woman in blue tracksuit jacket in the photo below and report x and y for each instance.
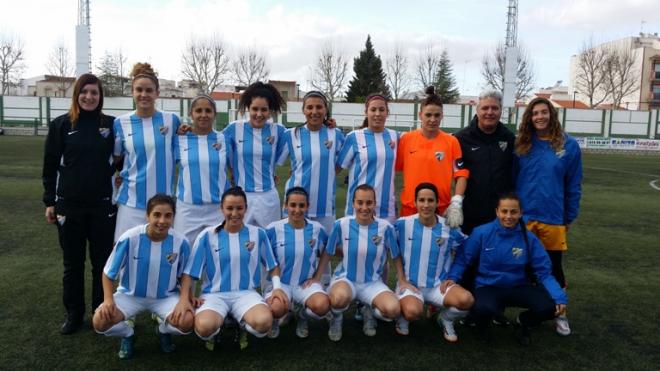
(504, 251)
(548, 174)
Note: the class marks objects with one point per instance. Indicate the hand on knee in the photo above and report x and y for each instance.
(186, 323)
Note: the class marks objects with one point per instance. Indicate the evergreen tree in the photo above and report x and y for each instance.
(369, 75)
(445, 84)
(109, 75)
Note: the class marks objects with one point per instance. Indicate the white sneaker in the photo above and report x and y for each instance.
(334, 332)
(561, 325)
(302, 330)
(448, 330)
(368, 321)
(401, 326)
(274, 329)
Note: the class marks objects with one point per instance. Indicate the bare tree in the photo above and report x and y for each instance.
(329, 73)
(12, 55)
(397, 71)
(205, 61)
(590, 74)
(120, 62)
(250, 66)
(427, 66)
(621, 75)
(492, 70)
(59, 65)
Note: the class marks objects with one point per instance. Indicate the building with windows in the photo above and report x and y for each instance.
(646, 51)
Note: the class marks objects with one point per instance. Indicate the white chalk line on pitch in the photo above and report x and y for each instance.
(651, 183)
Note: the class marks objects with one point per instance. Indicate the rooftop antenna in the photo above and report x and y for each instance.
(83, 39)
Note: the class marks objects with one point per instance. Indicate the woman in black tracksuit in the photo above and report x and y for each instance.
(77, 178)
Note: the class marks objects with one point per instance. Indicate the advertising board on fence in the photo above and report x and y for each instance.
(619, 143)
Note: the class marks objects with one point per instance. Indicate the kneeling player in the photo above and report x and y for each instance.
(148, 259)
(297, 242)
(229, 256)
(363, 241)
(427, 248)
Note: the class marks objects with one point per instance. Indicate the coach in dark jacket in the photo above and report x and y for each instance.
(77, 178)
(487, 147)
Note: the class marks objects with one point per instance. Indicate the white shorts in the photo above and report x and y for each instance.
(296, 293)
(237, 303)
(131, 305)
(364, 292)
(431, 295)
(263, 208)
(127, 218)
(191, 219)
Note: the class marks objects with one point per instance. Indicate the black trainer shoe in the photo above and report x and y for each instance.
(71, 325)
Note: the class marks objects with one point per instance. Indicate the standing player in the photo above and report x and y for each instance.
(369, 154)
(144, 139)
(363, 242)
(256, 144)
(427, 248)
(433, 156)
(203, 155)
(548, 170)
(297, 243)
(313, 149)
(78, 193)
(229, 256)
(147, 261)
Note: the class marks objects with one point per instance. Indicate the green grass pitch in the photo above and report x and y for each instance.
(613, 271)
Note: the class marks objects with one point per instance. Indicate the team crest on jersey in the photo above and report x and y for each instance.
(217, 146)
(270, 139)
(328, 144)
(249, 245)
(171, 258)
(561, 153)
(503, 146)
(163, 130)
(104, 132)
(439, 155)
(439, 241)
(376, 239)
(392, 144)
(516, 252)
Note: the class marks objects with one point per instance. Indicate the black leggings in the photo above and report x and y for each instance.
(557, 269)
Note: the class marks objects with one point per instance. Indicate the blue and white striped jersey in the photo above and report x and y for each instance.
(254, 154)
(427, 253)
(364, 248)
(296, 250)
(147, 146)
(313, 157)
(148, 269)
(203, 161)
(230, 260)
(370, 158)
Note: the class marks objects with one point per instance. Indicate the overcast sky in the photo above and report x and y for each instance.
(292, 32)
